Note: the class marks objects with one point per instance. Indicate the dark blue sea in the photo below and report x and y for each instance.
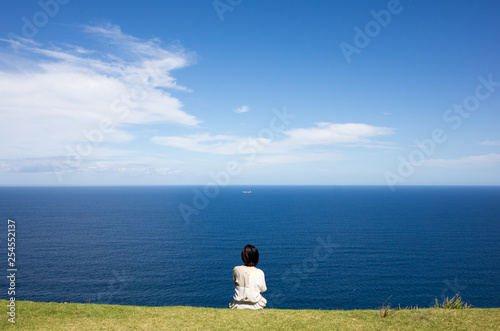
(321, 247)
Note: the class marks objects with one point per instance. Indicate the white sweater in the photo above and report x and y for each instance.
(249, 283)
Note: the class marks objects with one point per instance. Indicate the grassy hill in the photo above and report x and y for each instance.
(76, 316)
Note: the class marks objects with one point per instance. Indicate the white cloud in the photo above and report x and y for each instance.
(218, 144)
(468, 162)
(29, 165)
(490, 143)
(55, 97)
(323, 134)
(296, 158)
(336, 133)
(242, 109)
(130, 168)
(103, 161)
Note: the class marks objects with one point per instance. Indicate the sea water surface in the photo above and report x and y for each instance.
(321, 247)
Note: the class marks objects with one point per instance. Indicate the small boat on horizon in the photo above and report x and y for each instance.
(246, 192)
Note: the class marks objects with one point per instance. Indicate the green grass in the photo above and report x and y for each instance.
(454, 303)
(76, 316)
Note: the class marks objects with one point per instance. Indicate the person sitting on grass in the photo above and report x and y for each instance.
(249, 282)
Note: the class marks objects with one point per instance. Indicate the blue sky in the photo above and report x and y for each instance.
(250, 92)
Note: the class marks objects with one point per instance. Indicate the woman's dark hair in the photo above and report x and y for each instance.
(250, 255)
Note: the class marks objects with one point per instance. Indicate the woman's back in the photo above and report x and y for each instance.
(249, 283)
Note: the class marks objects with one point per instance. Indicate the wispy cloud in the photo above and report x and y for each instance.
(296, 158)
(54, 96)
(468, 162)
(337, 133)
(242, 109)
(490, 143)
(214, 144)
(103, 160)
(323, 134)
(130, 168)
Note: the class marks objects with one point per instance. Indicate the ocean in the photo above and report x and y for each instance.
(321, 247)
